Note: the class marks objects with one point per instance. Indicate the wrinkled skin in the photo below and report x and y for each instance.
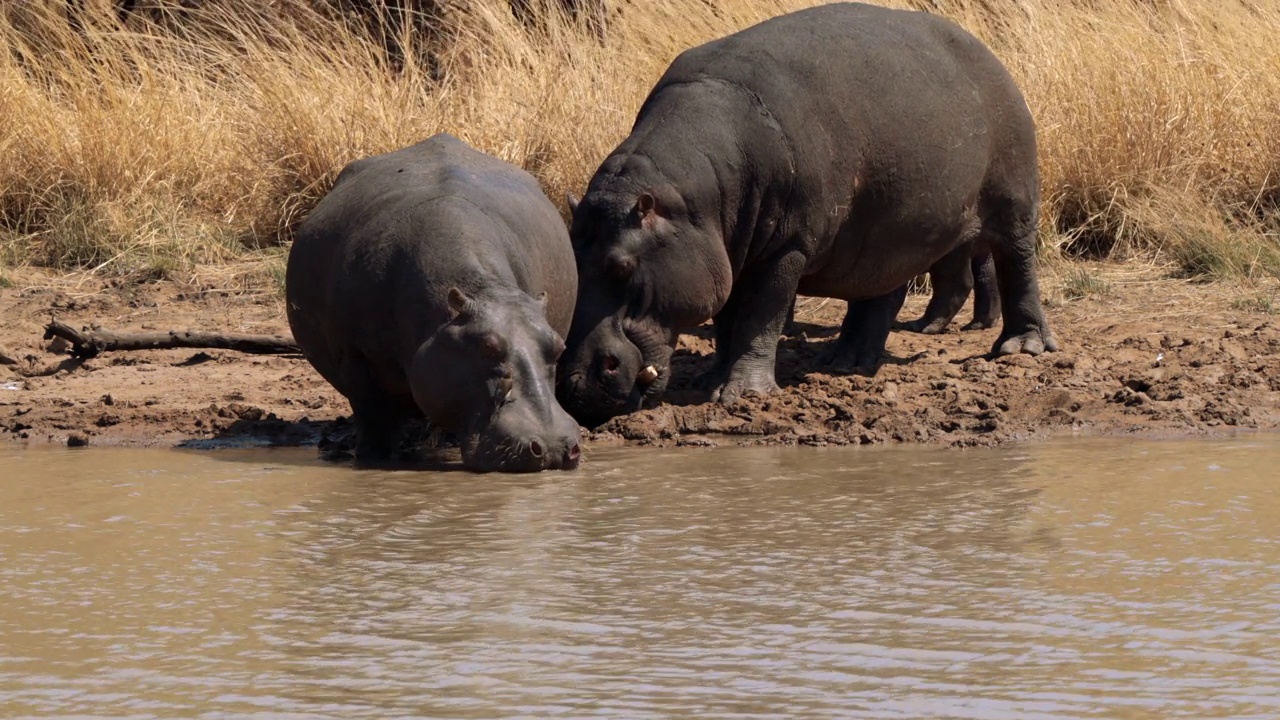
(837, 152)
(437, 281)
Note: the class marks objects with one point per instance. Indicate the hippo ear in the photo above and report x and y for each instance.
(541, 298)
(573, 202)
(646, 208)
(458, 302)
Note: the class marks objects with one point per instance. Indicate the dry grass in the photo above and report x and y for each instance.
(144, 154)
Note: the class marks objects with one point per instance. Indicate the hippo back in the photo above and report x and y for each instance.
(372, 264)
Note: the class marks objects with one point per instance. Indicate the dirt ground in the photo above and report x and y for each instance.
(1141, 354)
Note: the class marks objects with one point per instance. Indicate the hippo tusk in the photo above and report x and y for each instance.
(647, 375)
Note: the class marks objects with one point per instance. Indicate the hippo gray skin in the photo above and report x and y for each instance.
(968, 268)
(965, 269)
(837, 151)
(438, 281)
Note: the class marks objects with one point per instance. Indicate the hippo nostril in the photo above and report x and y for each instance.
(535, 447)
(574, 453)
(611, 363)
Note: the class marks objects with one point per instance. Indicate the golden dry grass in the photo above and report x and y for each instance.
(146, 154)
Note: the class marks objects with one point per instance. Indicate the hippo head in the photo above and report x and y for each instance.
(489, 375)
(647, 270)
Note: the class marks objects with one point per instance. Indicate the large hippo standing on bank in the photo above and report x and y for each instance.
(436, 280)
(837, 151)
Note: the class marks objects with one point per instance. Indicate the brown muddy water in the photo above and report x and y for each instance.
(1074, 579)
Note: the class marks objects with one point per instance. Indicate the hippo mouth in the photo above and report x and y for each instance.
(656, 345)
(600, 396)
(593, 405)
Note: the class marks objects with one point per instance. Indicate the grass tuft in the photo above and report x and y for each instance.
(1080, 283)
(1260, 303)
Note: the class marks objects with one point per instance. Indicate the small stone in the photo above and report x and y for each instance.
(75, 440)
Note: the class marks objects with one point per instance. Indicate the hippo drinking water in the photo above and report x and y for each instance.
(436, 280)
(837, 151)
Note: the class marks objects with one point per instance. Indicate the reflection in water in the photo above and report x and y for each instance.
(1082, 579)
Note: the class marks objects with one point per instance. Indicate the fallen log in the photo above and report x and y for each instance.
(88, 343)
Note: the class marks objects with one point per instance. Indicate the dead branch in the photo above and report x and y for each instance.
(88, 343)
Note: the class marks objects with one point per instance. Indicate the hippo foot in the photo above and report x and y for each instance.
(737, 388)
(1031, 342)
(979, 325)
(844, 360)
(922, 326)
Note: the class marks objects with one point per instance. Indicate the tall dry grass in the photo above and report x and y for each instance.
(151, 153)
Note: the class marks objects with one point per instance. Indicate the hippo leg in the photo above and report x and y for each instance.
(378, 417)
(762, 303)
(952, 280)
(986, 293)
(1013, 249)
(379, 424)
(789, 329)
(864, 332)
(716, 375)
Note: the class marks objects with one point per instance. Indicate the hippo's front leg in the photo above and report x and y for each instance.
(763, 301)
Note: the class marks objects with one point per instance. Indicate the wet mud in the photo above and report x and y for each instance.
(1150, 356)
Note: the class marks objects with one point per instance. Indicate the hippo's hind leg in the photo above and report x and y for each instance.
(986, 293)
(952, 280)
(863, 334)
(1011, 234)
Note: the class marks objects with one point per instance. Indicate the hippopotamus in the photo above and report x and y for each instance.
(437, 281)
(836, 151)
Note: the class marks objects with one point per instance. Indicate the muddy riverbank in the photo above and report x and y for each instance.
(1142, 354)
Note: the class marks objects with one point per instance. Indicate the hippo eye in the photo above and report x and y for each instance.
(493, 346)
(505, 386)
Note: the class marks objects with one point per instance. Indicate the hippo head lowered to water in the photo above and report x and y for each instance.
(648, 269)
(489, 373)
(437, 280)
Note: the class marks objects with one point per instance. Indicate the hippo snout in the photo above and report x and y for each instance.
(534, 453)
(563, 454)
(598, 381)
(523, 441)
